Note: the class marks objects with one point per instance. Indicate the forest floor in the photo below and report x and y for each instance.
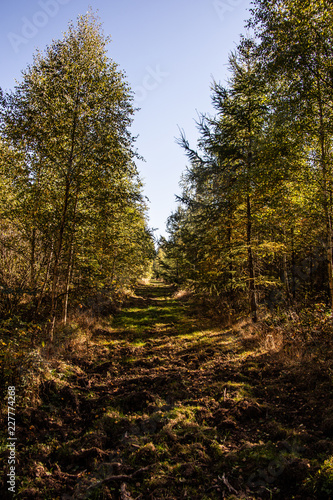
(163, 403)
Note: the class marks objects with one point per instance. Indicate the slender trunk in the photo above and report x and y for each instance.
(231, 267)
(33, 279)
(41, 296)
(252, 288)
(252, 291)
(311, 271)
(57, 254)
(70, 262)
(285, 275)
(113, 268)
(293, 265)
(32, 259)
(68, 280)
(63, 221)
(36, 202)
(327, 204)
(330, 257)
(285, 265)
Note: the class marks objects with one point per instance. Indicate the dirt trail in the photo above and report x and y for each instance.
(163, 404)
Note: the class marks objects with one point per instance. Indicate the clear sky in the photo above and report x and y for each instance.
(170, 52)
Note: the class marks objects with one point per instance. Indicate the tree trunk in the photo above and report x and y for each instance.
(293, 265)
(231, 267)
(70, 262)
(285, 267)
(45, 281)
(69, 178)
(286, 277)
(54, 298)
(327, 204)
(311, 271)
(252, 290)
(32, 260)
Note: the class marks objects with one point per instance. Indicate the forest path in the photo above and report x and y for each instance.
(165, 404)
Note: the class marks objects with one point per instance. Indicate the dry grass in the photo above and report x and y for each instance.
(177, 405)
(182, 295)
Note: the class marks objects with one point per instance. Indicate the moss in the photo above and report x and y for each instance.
(322, 483)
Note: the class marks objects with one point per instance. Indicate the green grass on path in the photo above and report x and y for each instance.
(164, 404)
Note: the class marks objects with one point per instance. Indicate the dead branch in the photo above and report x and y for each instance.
(228, 485)
(118, 477)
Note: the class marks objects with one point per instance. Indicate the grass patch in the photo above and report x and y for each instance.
(176, 406)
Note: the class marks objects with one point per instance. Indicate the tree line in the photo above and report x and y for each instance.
(72, 213)
(253, 224)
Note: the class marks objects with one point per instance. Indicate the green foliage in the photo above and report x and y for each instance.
(73, 214)
(322, 483)
(254, 222)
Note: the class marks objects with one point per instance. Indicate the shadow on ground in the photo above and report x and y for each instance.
(166, 405)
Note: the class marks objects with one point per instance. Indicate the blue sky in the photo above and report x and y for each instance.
(170, 52)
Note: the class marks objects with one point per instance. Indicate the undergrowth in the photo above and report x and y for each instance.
(161, 402)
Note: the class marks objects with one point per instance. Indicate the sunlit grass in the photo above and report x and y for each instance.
(240, 390)
(171, 391)
(138, 343)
